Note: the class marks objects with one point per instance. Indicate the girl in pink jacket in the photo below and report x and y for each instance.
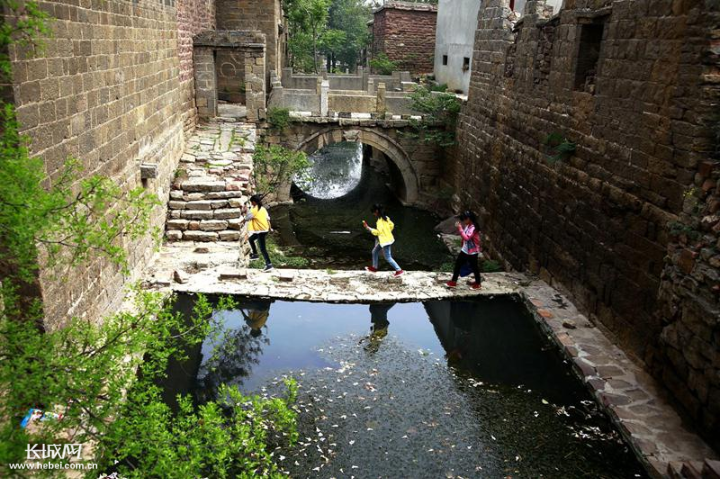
(471, 248)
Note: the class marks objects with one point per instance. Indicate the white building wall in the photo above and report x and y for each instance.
(455, 36)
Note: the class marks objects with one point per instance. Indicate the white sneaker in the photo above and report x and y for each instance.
(267, 268)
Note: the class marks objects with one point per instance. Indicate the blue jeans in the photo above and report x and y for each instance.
(387, 253)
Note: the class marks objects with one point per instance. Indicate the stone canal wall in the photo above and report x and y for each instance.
(112, 88)
(632, 85)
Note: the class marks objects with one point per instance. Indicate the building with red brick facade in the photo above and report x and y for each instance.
(405, 32)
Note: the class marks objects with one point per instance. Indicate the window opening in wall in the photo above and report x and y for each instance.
(588, 55)
(445, 59)
(466, 64)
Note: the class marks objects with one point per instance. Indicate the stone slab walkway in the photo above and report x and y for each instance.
(635, 401)
(342, 286)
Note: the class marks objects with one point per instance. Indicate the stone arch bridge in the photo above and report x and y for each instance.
(418, 165)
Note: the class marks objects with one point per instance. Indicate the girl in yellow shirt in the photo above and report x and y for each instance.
(258, 227)
(383, 241)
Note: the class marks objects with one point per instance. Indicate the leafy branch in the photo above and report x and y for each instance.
(275, 165)
(439, 112)
(559, 147)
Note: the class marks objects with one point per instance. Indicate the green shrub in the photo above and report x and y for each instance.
(274, 165)
(278, 118)
(382, 65)
(439, 113)
(559, 147)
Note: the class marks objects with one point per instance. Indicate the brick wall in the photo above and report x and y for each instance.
(260, 15)
(594, 224)
(107, 90)
(406, 34)
(193, 17)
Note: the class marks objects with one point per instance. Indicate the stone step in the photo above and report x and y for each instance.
(711, 469)
(203, 236)
(692, 470)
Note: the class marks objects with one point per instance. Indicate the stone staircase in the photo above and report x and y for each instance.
(706, 469)
(212, 184)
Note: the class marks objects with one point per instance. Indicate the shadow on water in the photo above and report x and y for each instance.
(434, 389)
(328, 231)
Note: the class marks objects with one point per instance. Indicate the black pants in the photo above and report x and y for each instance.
(462, 259)
(260, 237)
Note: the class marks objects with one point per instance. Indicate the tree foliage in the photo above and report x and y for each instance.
(382, 65)
(336, 29)
(88, 372)
(439, 113)
(307, 21)
(275, 165)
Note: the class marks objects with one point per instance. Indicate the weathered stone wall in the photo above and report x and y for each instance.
(262, 15)
(107, 91)
(247, 48)
(193, 17)
(623, 81)
(405, 32)
(688, 357)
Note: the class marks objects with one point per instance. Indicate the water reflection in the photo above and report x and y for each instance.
(508, 394)
(335, 170)
(493, 341)
(379, 326)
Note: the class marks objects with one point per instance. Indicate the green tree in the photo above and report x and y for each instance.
(307, 20)
(275, 165)
(349, 17)
(88, 371)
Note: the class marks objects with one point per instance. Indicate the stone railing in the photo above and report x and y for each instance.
(362, 80)
(374, 100)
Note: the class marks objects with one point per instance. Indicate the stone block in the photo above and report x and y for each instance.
(235, 223)
(213, 225)
(229, 235)
(223, 195)
(203, 186)
(177, 205)
(177, 224)
(199, 205)
(197, 214)
(200, 236)
(176, 194)
(236, 202)
(225, 213)
(174, 235)
(233, 274)
(148, 170)
(181, 276)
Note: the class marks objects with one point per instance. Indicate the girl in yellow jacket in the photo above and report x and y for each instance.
(384, 239)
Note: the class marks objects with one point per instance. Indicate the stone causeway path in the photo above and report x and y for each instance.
(212, 184)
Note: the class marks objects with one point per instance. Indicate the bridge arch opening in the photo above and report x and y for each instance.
(383, 152)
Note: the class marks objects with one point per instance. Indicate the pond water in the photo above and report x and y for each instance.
(411, 390)
(324, 225)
